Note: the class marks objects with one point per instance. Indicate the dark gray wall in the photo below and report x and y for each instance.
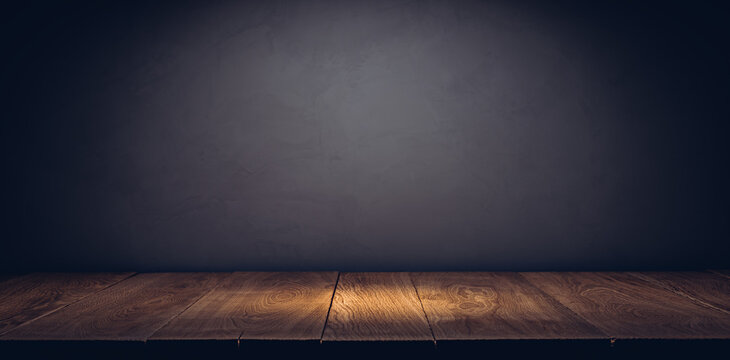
(365, 135)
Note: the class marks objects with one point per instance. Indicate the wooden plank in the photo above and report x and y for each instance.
(31, 296)
(258, 305)
(131, 310)
(624, 306)
(725, 273)
(706, 288)
(488, 306)
(376, 306)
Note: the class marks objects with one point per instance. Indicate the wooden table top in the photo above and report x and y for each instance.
(334, 307)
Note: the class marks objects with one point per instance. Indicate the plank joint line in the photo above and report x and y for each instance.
(423, 309)
(67, 305)
(677, 291)
(332, 299)
(220, 281)
(555, 302)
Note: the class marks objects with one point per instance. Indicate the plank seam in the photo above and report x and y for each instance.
(676, 291)
(220, 281)
(332, 299)
(3, 333)
(428, 322)
(558, 304)
(21, 279)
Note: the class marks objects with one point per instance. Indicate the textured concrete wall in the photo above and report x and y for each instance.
(366, 135)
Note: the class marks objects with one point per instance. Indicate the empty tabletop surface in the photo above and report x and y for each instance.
(333, 307)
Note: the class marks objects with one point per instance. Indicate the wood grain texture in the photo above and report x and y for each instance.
(31, 296)
(471, 306)
(258, 305)
(130, 310)
(376, 306)
(706, 288)
(624, 306)
(725, 273)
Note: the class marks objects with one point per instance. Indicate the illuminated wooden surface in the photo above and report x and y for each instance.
(400, 307)
(258, 305)
(376, 306)
(476, 306)
(628, 307)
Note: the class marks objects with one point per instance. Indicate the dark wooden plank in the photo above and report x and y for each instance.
(706, 288)
(130, 310)
(258, 305)
(488, 306)
(725, 273)
(627, 307)
(376, 306)
(31, 296)
(8, 277)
